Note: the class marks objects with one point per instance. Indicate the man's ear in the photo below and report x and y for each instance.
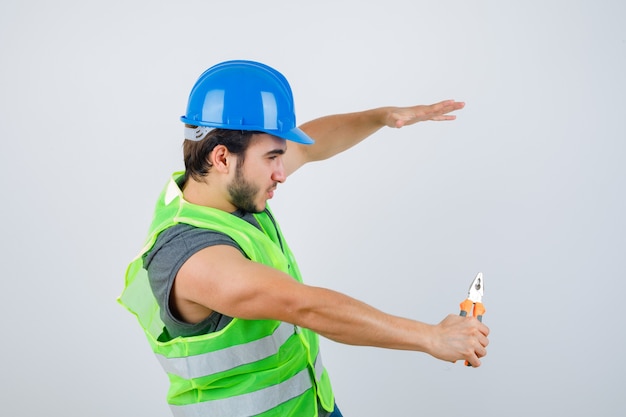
(221, 159)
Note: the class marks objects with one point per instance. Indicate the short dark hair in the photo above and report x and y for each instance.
(196, 153)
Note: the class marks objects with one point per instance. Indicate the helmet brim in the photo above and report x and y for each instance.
(293, 135)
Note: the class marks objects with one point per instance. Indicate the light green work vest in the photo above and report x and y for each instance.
(249, 368)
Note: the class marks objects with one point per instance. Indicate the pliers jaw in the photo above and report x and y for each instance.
(476, 289)
(473, 302)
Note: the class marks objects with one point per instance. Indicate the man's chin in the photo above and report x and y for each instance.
(255, 209)
(261, 209)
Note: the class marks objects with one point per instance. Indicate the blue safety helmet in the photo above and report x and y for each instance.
(244, 95)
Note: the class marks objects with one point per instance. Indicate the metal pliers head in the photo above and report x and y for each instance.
(474, 299)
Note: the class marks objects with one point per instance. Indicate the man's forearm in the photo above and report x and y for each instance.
(337, 133)
(346, 320)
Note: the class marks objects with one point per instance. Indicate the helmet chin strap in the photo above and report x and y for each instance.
(196, 133)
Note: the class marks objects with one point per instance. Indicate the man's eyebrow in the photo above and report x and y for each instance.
(276, 152)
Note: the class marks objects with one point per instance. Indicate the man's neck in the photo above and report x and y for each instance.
(202, 194)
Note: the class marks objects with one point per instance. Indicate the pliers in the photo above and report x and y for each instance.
(474, 299)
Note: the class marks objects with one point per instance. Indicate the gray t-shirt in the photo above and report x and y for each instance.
(173, 247)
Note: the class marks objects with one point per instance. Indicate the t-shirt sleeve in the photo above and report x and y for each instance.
(172, 249)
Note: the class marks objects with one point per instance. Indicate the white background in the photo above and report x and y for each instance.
(527, 186)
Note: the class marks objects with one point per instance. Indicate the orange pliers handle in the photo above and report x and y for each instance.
(477, 311)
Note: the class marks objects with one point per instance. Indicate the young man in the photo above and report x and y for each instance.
(216, 288)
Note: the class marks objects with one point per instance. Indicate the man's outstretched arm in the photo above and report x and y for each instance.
(337, 133)
(220, 278)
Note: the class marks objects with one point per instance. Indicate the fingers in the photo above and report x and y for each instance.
(479, 335)
(404, 116)
(473, 358)
(440, 110)
(473, 361)
(476, 339)
(446, 106)
(443, 118)
(479, 349)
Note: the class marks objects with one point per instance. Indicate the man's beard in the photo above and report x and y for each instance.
(242, 193)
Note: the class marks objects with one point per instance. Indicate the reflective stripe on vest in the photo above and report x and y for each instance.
(231, 357)
(250, 404)
(189, 367)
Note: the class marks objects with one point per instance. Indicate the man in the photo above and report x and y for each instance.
(216, 288)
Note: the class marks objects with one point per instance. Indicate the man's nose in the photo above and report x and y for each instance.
(279, 173)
